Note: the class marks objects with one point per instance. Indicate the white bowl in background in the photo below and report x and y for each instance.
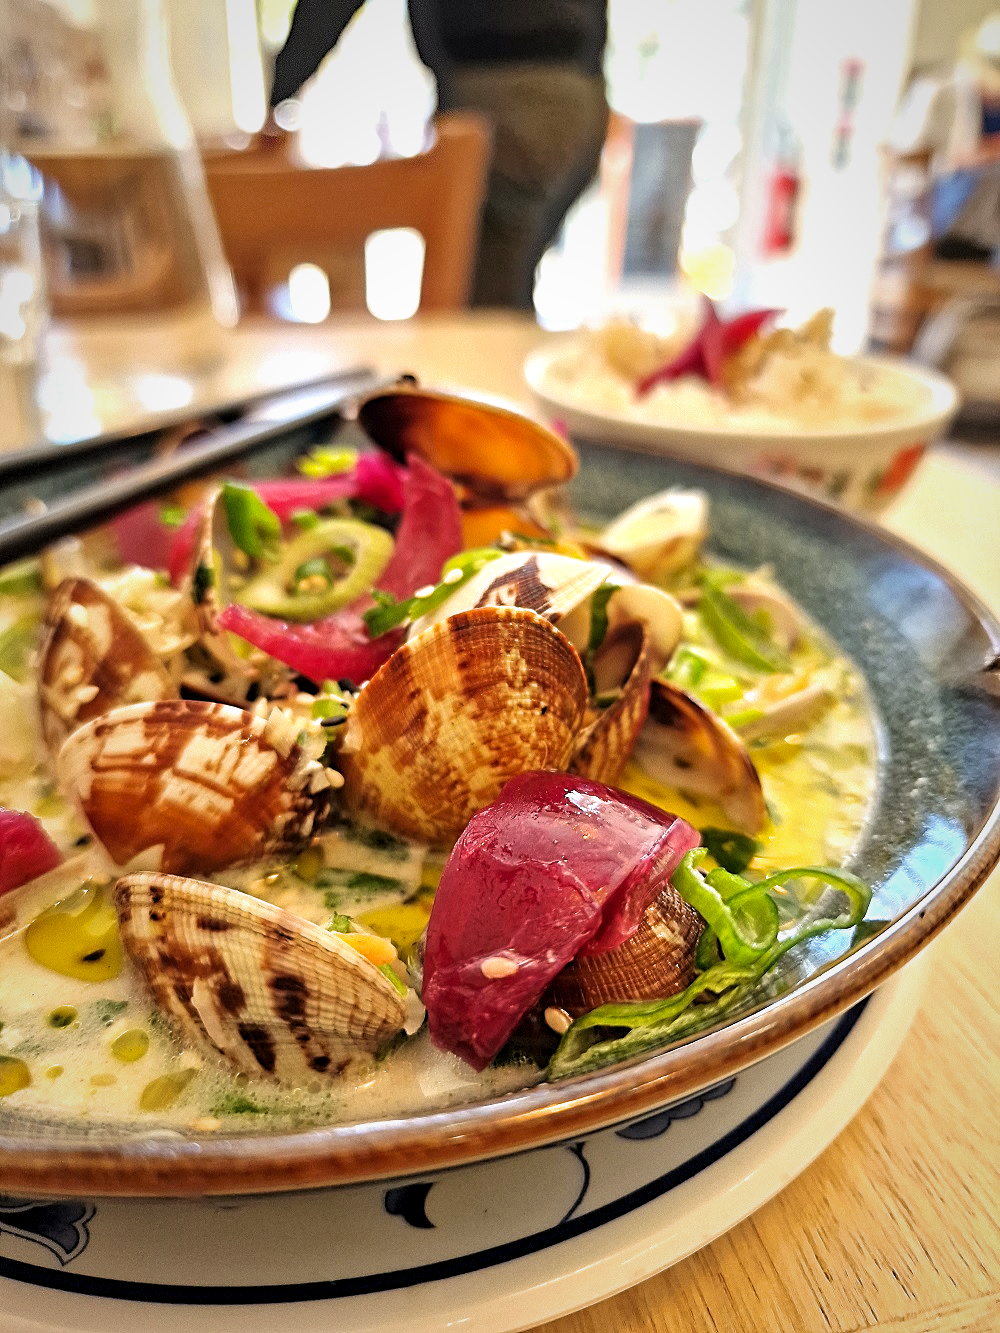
(861, 466)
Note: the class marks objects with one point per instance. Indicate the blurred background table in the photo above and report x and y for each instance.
(895, 1226)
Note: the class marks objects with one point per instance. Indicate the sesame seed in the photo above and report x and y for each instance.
(557, 1019)
(425, 591)
(497, 967)
(453, 576)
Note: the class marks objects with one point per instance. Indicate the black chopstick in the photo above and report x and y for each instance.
(39, 458)
(94, 504)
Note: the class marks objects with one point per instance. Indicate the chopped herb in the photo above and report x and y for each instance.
(201, 584)
(324, 461)
(237, 1104)
(387, 614)
(108, 1010)
(172, 516)
(731, 850)
(379, 841)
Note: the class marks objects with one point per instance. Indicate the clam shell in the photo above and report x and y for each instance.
(654, 962)
(276, 995)
(498, 453)
(551, 585)
(207, 783)
(685, 746)
(92, 659)
(604, 745)
(453, 714)
(659, 534)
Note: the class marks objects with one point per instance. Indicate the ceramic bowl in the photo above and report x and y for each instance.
(861, 467)
(930, 654)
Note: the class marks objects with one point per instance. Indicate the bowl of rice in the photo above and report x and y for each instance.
(777, 403)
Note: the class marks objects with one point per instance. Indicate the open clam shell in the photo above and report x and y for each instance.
(559, 587)
(660, 534)
(92, 659)
(605, 743)
(493, 450)
(654, 962)
(455, 712)
(206, 784)
(551, 585)
(685, 746)
(277, 996)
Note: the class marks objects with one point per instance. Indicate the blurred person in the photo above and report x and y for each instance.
(949, 125)
(534, 69)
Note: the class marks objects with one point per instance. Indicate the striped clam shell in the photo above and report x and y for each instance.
(684, 745)
(92, 659)
(454, 713)
(207, 784)
(654, 962)
(277, 996)
(605, 743)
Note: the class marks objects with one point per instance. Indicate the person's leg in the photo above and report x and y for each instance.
(549, 124)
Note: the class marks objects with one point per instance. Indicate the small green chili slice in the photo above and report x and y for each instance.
(745, 922)
(253, 526)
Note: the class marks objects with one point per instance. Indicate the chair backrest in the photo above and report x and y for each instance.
(274, 214)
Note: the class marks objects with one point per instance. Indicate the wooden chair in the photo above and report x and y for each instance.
(274, 214)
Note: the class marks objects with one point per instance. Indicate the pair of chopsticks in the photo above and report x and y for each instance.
(272, 417)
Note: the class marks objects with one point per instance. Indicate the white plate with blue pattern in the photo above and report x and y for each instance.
(495, 1247)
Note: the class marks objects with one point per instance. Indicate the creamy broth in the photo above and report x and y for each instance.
(98, 1051)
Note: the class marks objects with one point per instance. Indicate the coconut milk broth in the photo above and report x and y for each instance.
(71, 1034)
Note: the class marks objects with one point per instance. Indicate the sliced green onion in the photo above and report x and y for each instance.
(253, 526)
(303, 585)
(305, 518)
(390, 973)
(172, 516)
(746, 921)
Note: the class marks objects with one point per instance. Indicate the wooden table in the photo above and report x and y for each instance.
(896, 1226)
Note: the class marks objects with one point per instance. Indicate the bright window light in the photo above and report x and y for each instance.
(308, 294)
(160, 393)
(394, 267)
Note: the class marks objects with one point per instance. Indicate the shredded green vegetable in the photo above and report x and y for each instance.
(741, 958)
(736, 632)
(387, 614)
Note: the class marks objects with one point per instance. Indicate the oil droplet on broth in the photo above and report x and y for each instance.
(131, 1045)
(14, 1075)
(78, 936)
(162, 1092)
